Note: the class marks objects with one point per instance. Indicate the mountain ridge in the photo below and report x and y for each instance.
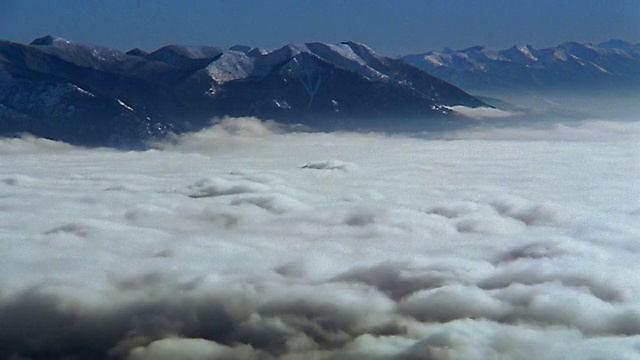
(613, 65)
(103, 96)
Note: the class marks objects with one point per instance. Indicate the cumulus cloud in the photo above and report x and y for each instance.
(238, 243)
(30, 144)
(226, 133)
(212, 187)
(192, 349)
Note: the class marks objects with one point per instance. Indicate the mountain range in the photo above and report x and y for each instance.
(611, 65)
(93, 95)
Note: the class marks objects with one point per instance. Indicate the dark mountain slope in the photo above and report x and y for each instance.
(93, 95)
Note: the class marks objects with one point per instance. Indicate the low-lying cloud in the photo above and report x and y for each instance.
(30, 144)
(593, 130)
(484, 112)
(250, 241)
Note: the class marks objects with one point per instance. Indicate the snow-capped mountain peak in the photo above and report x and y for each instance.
(50, 40)
(240, 62)
(87, 54)
(614, 64)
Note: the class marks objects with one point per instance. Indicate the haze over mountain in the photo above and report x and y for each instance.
(571, 66)
(88, 94)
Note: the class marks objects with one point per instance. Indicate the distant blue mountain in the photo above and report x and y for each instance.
(93, 95)
(612, 65)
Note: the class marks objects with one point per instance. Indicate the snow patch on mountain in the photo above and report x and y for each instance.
(344, 56)
(526, 51)
(231, 66)
(125, 105)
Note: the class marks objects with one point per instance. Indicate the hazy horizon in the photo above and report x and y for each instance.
(551, 45)
(391, 28)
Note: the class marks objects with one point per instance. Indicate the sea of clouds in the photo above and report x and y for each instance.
(247, 241)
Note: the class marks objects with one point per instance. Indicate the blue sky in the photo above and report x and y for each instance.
(392, 27)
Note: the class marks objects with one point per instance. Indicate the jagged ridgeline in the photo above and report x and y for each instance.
(93, 95)
(612, 66)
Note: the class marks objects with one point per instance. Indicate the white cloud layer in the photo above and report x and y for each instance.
(244, 241)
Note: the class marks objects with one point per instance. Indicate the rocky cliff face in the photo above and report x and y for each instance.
(93, 95)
